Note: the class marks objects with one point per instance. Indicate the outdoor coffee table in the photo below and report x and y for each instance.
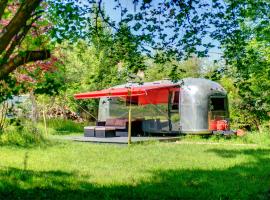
(89, 131)
(104, 131)
(120, 133)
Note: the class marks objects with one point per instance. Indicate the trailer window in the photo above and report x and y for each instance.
(217, 104)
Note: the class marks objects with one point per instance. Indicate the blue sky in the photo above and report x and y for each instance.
(115, 15)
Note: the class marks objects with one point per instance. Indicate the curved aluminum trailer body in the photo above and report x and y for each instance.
(195, 101)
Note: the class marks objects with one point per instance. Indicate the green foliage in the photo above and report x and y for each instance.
(61, 126)
(125, 49)
(247, 82)
(102, 61)
(31, 37)
(179, 28)
(9, 87)
(255, 84)
(25, 136)
(161, 22)
(247, 53)
(240, 117)
(51, 83)
(68, 20)
(173, 69)
(111, 51)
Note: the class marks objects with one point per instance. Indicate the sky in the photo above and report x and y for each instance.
(115, 15)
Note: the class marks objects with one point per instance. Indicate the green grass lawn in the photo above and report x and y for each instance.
(70, 170)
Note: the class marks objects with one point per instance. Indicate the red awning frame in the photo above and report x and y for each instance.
(142, 90)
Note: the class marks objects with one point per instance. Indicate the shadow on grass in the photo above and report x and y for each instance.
(246, 181)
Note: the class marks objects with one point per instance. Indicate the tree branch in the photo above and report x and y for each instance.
(16, 42)
(105, 19)
(23, 14)
(28, 56)
(3, 5)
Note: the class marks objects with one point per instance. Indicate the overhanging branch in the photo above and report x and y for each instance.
(26, 57)
(23, 14)
(16, 42)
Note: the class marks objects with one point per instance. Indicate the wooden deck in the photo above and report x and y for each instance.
(120, 140)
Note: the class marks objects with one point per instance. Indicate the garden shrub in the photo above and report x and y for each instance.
(26, 135)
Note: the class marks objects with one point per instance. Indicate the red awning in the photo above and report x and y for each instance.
(145, 94)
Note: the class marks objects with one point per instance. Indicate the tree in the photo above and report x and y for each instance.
(252, 78)
(17, 19)
(181, 29)
(158, 23)
(40, 78)
(172, 69)
(104, 59)
(27, 37)
(246, 52)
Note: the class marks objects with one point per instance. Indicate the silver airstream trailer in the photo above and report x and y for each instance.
(201, 103)
(193, 108)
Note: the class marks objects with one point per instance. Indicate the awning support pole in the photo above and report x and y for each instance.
(129, 117)
(129, 125)
(169, 110)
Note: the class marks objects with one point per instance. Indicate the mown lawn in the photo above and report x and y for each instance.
(70, 170)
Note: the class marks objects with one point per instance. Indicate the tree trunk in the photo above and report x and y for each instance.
(258, 125)
(29, 56)
(14, 32)
(63, 106)
(34, 115)
(23, 14)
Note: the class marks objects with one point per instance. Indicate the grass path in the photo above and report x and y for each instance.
(71, 170)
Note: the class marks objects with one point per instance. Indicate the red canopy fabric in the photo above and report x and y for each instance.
(144, 94)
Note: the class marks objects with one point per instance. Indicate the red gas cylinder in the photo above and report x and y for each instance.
(222, 125)
(213, 125)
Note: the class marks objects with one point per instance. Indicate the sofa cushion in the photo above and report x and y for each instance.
(110, 122)
(118, 123)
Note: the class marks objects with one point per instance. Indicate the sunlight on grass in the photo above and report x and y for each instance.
(69, 170)
(249, 138)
